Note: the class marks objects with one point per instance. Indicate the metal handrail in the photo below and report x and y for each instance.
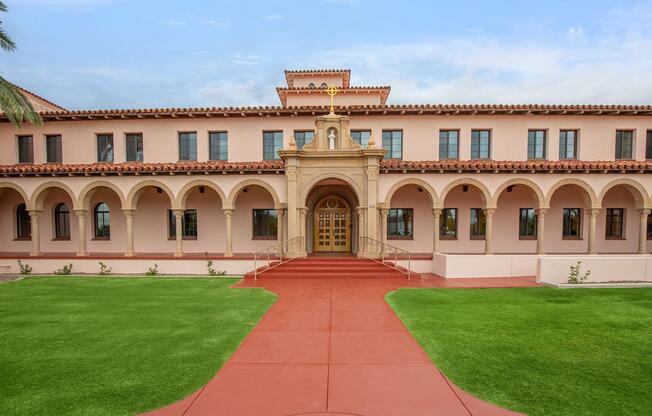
(279, 250)
(379, 248)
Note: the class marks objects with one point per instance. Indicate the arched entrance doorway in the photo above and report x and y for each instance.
(332, 225)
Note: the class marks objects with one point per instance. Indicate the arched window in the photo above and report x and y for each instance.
(102, 221)
(61, 222)
(23, 223)
(311, 85)
(324, 85)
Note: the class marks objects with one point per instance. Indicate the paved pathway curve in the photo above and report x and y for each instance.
(334, 347)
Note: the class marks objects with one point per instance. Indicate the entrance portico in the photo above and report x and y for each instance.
(332, 159)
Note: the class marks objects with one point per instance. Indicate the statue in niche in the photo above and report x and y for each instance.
(331, 139)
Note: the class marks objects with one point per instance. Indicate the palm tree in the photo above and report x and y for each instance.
(15, 106)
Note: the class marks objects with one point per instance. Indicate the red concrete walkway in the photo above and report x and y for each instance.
(332, 346)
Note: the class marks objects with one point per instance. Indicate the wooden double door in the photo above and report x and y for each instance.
(332, 225)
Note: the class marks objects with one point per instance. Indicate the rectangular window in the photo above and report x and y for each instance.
(536, 144)
(572, 223)
(478, 223)
(481, 144)
(53, 149)
(568, 144)
(648, 145)
(188, 228)
(361, 137)
(615, 223)
(400, 223)
(265, 224)
(393, 143)
(624, 144)
(218, 145)
(527, 225)
(134, 143)
(272, 143)
(302, 138)
(188, 145)
(448, 224)
(104, 148)
(448, 144)
(25, 149)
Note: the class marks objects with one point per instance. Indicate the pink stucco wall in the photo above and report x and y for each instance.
(421, 135)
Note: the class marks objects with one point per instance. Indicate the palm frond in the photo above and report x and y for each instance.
(3, 7)
(5, 41)
(15, 106)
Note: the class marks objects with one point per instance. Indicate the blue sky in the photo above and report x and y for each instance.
(98, 54)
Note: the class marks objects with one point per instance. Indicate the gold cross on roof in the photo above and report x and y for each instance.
(332, 91)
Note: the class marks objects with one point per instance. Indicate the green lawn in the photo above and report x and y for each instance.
(116, 346)
(539, 351)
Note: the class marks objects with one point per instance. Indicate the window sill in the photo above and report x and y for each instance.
(184, 238)
(477, 238)
(105, 161)
(447, 238)
(527, 237)
(101, 239)
(23, 239)
(615, 238)
(264, 238)
(61, 239)
(407, 237)
(572, 238)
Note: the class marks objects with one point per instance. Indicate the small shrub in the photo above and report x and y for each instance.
(104, 269)
(575, 276)
(152, 271)
(65, 270)
(212, 271)
(24, 268)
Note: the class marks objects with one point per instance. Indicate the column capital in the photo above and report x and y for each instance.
(280, 211)
(383, 211)
(541, 212)
(35, 213)
(128, 212)
(177, 213)
(303, 211)
(594, 211)
(228, 211)
(645, 212)
(489, 212)
(436, 212)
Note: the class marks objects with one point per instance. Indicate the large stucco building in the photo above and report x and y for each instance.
(468, 189)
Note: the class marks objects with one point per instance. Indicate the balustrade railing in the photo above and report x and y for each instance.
(276, 255)
(381, 252)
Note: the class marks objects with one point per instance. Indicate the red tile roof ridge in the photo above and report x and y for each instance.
(24, 90)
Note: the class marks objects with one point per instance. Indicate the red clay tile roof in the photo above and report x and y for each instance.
(515, 165)
(140, 168)
(277, 166)
(404, 109)
(28, 93)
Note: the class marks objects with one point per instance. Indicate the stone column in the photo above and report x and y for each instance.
(178, 222)
(36, 237)
(593, 221)
(303, 232)
(361, 244)
(383, 224)
(228, 214)
(489, 230)
(129, 216)
(436, 217)
(81, 225)
(541, 215)
(642, 234)
(280, 213)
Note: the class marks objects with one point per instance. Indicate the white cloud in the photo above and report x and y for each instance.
(241, 59)
(480, 69)
(274, 17)
(235, 94)
(575, 33)
(217, 23)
